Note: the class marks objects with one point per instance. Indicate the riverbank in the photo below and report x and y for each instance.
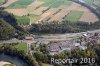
(7, 60)
(4, 63)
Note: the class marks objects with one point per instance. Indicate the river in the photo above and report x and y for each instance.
(14, 60)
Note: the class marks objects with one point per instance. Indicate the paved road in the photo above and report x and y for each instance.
(17, 41)
(61, 37)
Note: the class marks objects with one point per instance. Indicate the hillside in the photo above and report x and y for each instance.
(8, 17)
(6, 30)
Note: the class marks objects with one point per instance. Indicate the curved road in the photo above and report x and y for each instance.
(61, 37)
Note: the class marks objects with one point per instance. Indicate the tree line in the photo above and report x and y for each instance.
(6, 30)
(9, 27)
(8, 17)
(64, 27)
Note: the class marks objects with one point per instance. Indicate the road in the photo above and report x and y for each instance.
(43, 38)
(29, 48)
(16, 41)
(59, 37)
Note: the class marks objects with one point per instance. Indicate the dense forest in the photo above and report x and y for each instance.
(9, 27)
(64, 27)
(6, 30)
(8, 17)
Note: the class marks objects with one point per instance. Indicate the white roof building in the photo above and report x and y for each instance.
(77, 44)
(82, 47)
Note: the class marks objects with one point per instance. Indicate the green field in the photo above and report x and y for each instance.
(73, 16)
(21, 46)
(89, 1)
(1, 2)
(24, 20)
(56, 3)
(21, 4)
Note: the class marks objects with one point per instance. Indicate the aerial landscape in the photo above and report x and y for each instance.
(49, 32)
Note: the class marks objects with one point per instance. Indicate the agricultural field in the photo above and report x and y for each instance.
(37, 11)
(20, 4)
(88, 17)
(21, 46)
(23, 20)
(73, 16)
(48, 14)
(59, 16)
(93, 2)
(34, 18)
(9, 2)
(34, 5)
(56, 3)
(1, 2)
(18, 12)
(97, 3)
(89, 1)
